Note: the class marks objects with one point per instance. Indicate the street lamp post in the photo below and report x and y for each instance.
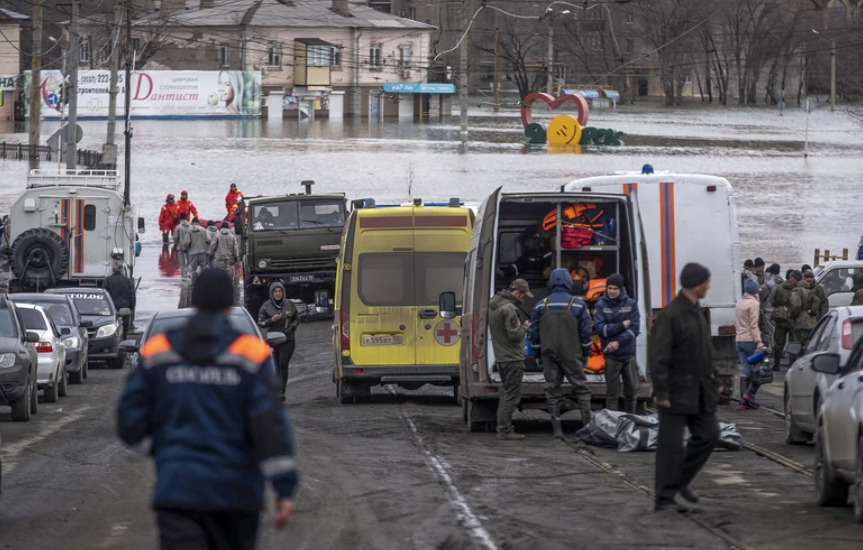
(832, 69)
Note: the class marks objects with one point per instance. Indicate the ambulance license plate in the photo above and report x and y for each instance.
(384, 340)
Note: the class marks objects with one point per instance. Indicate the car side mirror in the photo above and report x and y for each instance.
(86, 324)
(141, 227)
(793, 349)
(129, 346)
(65, 331)
(31, 338)
(124, 312)
(826, 363)
(276, 338)
(447, 305)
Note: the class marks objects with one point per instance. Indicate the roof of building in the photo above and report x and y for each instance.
(9, 15)
(287, 14)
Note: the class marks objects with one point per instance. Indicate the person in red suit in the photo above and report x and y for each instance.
(185, 206)
(169, 217)
(231, 198)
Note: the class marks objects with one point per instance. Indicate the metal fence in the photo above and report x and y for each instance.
(21, 151)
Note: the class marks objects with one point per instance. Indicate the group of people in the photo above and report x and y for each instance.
(772, 312)
(172, 211)
(200, 248)
(561, 334)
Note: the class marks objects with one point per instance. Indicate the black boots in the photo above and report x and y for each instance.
(556, 426)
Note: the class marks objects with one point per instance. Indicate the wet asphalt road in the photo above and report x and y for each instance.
(402, 472)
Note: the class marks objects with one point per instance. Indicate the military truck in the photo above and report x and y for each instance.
(67, 228)
(293, 239)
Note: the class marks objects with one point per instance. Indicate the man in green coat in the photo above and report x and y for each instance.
(686, 389)
(804, 311)
(782, 318)
(818, 293)
(507, 338)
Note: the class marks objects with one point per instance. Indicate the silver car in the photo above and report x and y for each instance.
(50, 350)
(835, 333)
(839, 438)
(839, 279)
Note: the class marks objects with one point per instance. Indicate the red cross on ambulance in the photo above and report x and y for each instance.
(447, 333)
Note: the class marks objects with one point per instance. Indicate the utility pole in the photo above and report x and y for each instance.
(832, 75)
(496, 70)
(109, 150)
(35, 81)
(550, 56)
(128, 106)
(72, 91)
(462, 78)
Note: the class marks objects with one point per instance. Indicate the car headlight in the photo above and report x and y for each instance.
(107, 330)
(7, 360)
(72, 343)
(263, 264)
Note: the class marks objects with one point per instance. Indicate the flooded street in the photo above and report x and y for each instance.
(401, 471)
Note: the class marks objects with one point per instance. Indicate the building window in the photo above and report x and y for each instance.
(224, 57)
(630, 18)
(412, 13)
(318, 56)
(84, 51)
(630, 45)
(136, 45)
(595, 41)
(336, 56)
(405, 56)
(274, 55)
(375, 56)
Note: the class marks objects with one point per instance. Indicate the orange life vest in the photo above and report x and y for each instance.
(584, 214)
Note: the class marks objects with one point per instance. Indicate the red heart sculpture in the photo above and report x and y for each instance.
(553, 103)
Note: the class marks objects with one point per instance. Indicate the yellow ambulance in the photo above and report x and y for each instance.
(393, 264)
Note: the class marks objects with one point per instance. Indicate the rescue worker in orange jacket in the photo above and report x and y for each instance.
(231, 198)
(169, 217)
(185, 206)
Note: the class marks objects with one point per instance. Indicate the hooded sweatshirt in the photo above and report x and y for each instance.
(561, 297)
(608, 317)
(507, 330)
(223, 248)
(180, 235)
(290, 316)
(198, 240)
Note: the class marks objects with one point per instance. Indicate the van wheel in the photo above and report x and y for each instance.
(21, 409)
(481, 416)
(343, 396)
(828, 490)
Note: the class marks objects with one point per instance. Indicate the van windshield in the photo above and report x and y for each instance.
(405, 279)
(7, 325)
(306, 214)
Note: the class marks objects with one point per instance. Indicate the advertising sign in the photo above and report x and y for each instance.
(8, 82)
(418, 88)
(157, 94)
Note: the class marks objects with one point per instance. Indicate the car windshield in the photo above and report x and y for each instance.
(239, 322)
(294, 214)
(7, 324)
(92, 304)
(32, 319)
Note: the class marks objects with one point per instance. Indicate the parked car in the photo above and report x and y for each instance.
(73, 329)
(839, 438)
(18, 363)
(835, 333)
(837, 278)
(164, 321)
(106, 332)
(50, 350)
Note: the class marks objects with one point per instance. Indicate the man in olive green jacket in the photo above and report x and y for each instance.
(818, 293)
(507, 338)
(686, 389)
(782, 318)
(804, 311)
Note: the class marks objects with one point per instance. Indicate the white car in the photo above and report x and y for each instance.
(838, 279)
(51, 370)
(839, 438)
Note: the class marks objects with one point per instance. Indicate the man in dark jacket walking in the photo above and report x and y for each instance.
(617, 322)
(203, 404)
(685, 389)
(508, 332)
(279, 314)
(122, 292)
(560, 326)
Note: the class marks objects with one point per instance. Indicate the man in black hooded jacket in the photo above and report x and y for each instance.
(280, 315)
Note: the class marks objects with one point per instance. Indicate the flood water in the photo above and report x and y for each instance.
(788, 205)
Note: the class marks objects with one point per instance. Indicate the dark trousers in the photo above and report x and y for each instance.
(555, 369)
(511, 375)
(282, 358)
(615, 371)
(676, 464)
(197, 530)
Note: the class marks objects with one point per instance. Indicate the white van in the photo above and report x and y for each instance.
(507, 224)
(686, 218)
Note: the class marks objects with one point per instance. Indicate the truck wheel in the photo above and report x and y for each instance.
(39, 257)
(21, 408)
(253, 298)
